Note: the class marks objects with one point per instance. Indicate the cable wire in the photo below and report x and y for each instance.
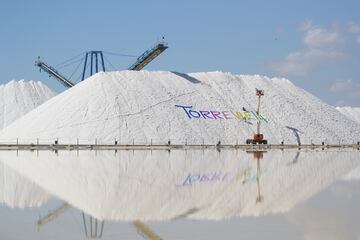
(119, 54)
(79, 78)
(70, 59)
(71, 63)
(109, 63)
(81, 61)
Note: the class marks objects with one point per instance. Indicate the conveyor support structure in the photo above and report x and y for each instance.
(52, 72)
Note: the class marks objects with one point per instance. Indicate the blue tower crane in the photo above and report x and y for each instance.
(96, 59)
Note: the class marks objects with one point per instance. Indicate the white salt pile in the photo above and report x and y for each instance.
(198, 108)
(19, 98)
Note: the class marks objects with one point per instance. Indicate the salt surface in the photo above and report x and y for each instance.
(141, 107)
(351, 112)
(20, 97)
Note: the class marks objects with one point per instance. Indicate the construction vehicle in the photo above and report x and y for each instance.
(258, 138)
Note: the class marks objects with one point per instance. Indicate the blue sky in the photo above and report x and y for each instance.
(316, 44)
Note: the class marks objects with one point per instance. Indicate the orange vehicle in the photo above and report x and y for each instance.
(258, 138)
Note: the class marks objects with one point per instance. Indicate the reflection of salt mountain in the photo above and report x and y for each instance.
(353, 174)
(352, 113)
(197, 184)
(17, 191)
(141, 106)
(20, 97)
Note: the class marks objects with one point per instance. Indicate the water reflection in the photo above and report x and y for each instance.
(52, 215)
(17, 191)
(139, 186)
(93, 227)
(257, 155)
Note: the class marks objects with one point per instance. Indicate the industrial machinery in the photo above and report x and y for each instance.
(94, 63)
(148, 56)
(53, 72)
(258, 138)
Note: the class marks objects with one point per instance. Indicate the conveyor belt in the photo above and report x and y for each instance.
(148, 56)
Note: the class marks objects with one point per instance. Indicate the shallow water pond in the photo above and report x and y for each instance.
(180, 194)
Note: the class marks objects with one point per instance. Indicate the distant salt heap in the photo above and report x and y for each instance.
(19, 98)
(354, 114)
(144, 107)
(351, 112)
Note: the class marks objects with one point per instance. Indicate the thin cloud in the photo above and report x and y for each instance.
(319, 37)
(348, 87)
(348, 90)
(301, 62)
(354, 27)
(321, 46)
(305, 25)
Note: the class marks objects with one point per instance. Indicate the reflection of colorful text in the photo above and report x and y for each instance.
(219, 176)
(209, 177)
(246, 116)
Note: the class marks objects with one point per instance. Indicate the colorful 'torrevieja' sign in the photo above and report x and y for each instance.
(244, 115)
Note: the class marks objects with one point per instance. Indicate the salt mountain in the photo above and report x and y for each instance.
(20, 97)
(148, 106)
